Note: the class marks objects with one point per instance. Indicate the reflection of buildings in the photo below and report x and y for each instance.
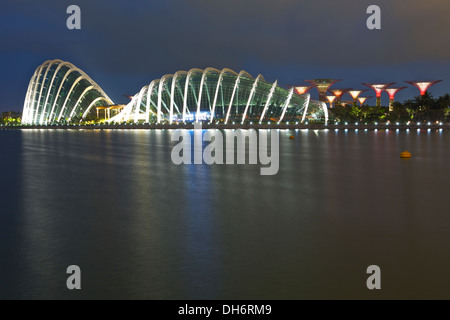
(378, 88)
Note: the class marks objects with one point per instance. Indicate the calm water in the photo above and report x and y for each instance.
(141, 227)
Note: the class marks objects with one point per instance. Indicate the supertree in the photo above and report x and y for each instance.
(392, 92)
(301, 89)
(331, 100)
(378, 88)
(355, 94)
(322, 86)
(423, 86)
(338, 93)
(362, 100)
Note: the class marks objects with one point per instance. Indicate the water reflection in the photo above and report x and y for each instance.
(141, 227)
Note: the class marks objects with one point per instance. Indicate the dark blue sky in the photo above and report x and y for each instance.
(123, 45)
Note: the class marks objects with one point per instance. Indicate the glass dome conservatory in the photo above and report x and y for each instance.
(60, 92)
(218, 96)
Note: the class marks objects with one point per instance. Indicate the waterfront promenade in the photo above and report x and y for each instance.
(189, 126)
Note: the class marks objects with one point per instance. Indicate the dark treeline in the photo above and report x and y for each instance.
(421, 108)
(10, 117)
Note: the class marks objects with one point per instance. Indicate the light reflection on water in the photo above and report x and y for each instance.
(139, 226)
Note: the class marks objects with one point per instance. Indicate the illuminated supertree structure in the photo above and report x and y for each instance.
(362, 100)
(392, 92)
(355, 94)
(423, 86)
(300, 89)
(331, 100)
(322, 86)
(378, 88)
(338, 93)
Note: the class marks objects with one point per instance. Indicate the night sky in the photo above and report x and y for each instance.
(124, 45)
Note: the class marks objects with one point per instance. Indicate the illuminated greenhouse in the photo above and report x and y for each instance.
(218, 96)
(60, 92)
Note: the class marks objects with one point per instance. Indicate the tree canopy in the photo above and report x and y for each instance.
(421, 108)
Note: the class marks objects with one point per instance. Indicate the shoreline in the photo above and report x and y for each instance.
(312, 126)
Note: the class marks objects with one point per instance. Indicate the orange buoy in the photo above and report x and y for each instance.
(292, 137)
(405, 155)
